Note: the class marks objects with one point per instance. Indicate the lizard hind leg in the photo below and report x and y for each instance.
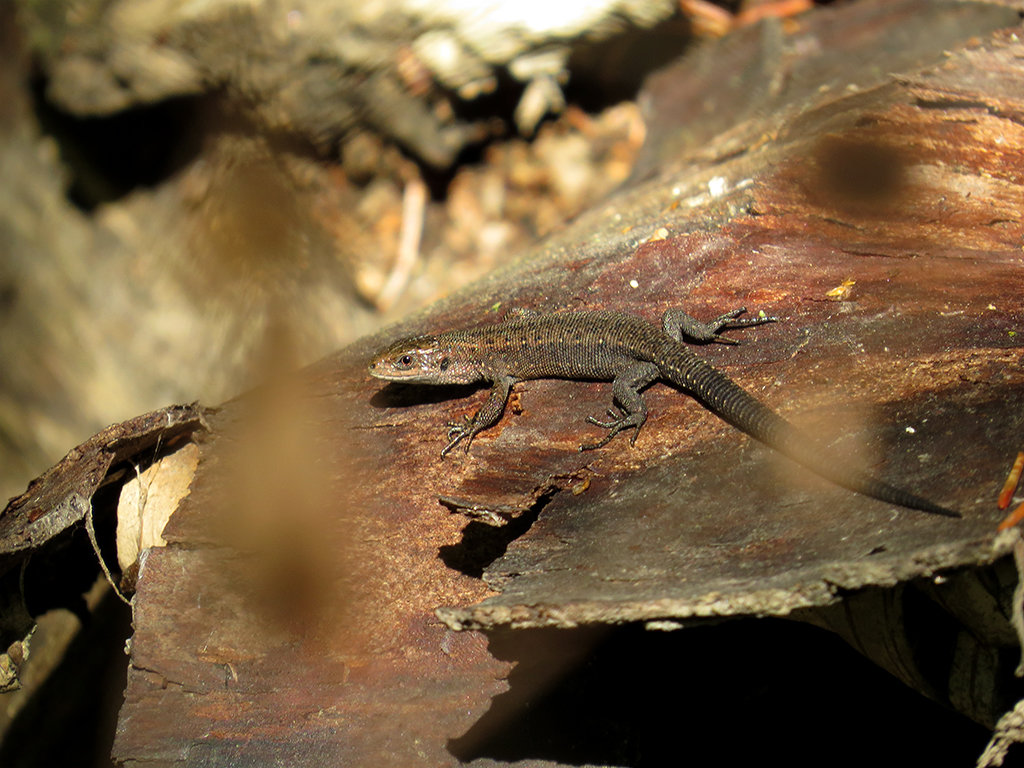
(681, 326)
(632, 412)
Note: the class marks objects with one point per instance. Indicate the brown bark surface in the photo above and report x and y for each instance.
(877, 149)
(907, 184)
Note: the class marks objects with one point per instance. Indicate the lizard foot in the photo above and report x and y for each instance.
(457, 432)
(618, 422)
(732, 320)
(678, 324)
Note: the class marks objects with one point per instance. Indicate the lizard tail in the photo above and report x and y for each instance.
(748, 414)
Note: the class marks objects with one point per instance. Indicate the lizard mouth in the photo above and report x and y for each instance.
(400, 376)
(375, 370)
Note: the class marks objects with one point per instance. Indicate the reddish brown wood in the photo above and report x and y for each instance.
(291, 617)
(905, 184)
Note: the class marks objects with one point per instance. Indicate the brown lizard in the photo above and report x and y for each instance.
(632, 354)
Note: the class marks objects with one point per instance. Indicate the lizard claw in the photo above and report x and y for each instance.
(618, 422)
(457, 432)
(678, 325)
(616, 415)
(732, 320)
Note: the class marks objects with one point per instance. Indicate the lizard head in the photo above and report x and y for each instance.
(421, 360)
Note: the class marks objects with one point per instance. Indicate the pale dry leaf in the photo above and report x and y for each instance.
(149, 498)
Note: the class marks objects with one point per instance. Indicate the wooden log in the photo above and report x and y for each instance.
(873, 211)
(860, 181)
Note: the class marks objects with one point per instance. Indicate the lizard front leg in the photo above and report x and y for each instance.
(678, 325)
(488, 415)
(626, 392)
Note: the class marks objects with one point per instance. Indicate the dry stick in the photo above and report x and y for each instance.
(414, 201)
(1012, 479)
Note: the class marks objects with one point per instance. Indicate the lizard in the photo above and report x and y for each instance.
(602, 345)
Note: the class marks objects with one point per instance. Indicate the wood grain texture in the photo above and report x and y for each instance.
(291, 617)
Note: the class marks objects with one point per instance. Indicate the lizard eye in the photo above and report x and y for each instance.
(405, 361)
(443, 365)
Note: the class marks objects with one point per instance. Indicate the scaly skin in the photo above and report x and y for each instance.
(629, 352)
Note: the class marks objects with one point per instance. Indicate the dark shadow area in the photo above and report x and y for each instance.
(72, 717)
(606, 72)
(746, 692)
(396, 395)
(108, 157)
(482, 544)
(56, 576)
